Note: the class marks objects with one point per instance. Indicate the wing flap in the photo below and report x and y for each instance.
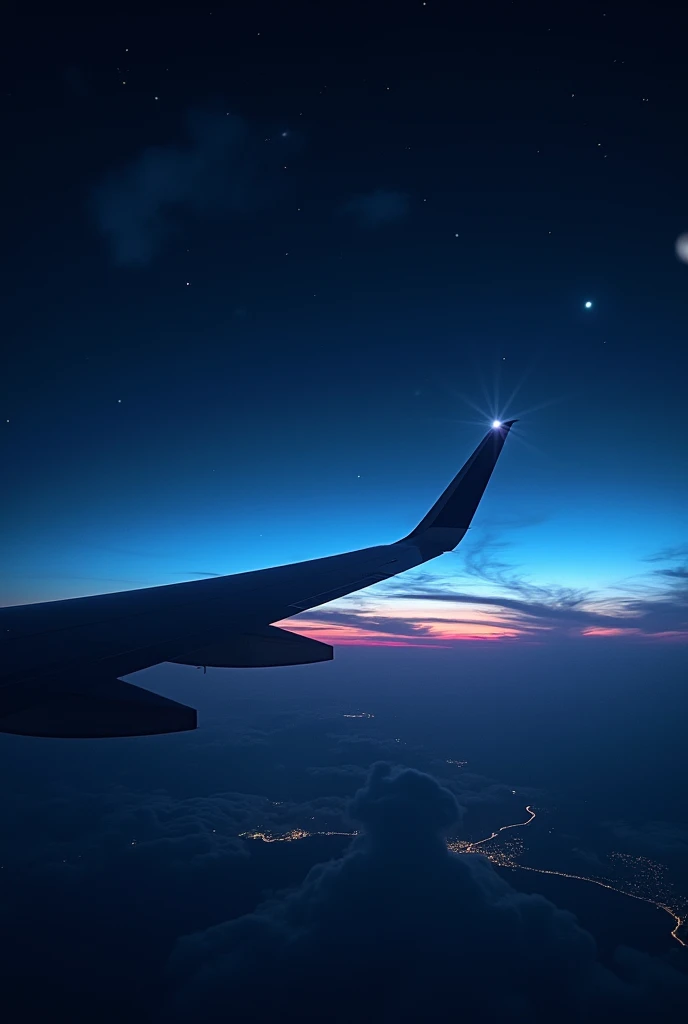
(269, 647)
(89, 709)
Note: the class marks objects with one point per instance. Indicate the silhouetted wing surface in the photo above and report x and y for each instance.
(61, 661)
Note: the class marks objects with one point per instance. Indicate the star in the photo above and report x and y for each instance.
(588, 304)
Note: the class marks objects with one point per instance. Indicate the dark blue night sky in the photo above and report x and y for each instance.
(269, 273)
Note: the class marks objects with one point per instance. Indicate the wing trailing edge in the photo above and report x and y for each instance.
(269, 647)
(89, 708)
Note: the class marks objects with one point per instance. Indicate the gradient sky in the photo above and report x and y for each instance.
(267, 280)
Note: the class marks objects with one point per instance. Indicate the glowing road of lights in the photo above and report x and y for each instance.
(471, 847)
(605, 885)
(518, 824)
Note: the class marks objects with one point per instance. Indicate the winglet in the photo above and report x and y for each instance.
(449, 518)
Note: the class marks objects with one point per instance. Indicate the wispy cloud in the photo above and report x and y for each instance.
(678, 573)
(483, 561)
(422, 610)
(676, 553)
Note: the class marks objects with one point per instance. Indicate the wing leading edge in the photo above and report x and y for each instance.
(61, 661)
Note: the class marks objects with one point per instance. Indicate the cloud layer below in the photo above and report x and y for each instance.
(401, 929)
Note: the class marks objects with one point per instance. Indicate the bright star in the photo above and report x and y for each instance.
(588, 305)
(496, 424)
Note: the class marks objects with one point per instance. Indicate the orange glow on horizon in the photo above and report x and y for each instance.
(428, 625)
(672, 635)
(435, 634)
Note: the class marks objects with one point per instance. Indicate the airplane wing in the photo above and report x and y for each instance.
(61, 661)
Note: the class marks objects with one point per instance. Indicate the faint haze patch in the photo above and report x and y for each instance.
(221, 168)
(76, 82)
(383, 206)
